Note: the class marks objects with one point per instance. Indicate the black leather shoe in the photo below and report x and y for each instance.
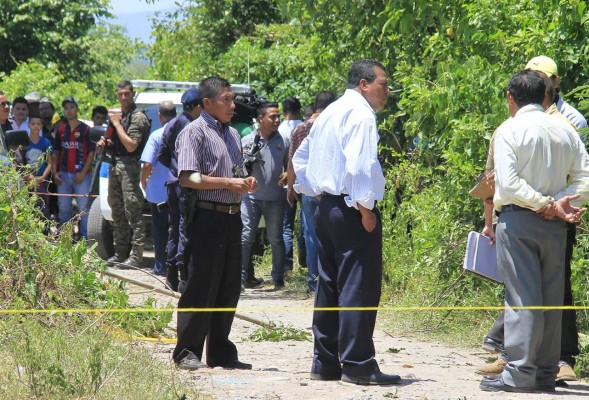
(191, 363)
(172, 284)
(322, 377)
(546, 388)
(279, 284)
(497, 385)
(375, 378)
(492, 346)
(235, 364)
(252, 283)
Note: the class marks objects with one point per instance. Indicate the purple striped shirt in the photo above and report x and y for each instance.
(212, 149)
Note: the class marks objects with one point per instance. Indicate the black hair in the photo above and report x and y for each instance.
(20, 99)
(291, 105)
(323, 99)
(125, 84)
(99, 110)
(262, 109)
(550, 90)
(527, 87)
(363, 69)
(210, 87)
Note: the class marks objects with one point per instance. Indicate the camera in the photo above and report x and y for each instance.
(253, 155)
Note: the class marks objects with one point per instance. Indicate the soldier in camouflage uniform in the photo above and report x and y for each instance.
(130, 132)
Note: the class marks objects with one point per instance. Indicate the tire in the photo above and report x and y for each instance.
(100, 232)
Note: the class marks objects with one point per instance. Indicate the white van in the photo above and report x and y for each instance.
(149, 94)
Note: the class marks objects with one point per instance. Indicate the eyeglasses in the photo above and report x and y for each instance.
(5, 104)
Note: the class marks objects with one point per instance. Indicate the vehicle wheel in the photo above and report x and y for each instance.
(100, 232)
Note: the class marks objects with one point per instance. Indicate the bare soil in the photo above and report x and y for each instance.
(281, 369)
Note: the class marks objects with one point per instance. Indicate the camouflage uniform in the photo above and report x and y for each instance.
(124, 192)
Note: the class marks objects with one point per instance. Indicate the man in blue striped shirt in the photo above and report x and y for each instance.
(210, 161)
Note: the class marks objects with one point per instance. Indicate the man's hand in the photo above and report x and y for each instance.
(291, 197)
(144, 184)
(79, 177)
(57, 177)
(252, 183)
(566, 211)
(283, 179)
(241, 186)
(489, 232)
(103, 142)
(369, 221)
(368, 218)
(115, 119)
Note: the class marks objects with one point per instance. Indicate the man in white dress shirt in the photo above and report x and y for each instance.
(338, 162)
(534, 153)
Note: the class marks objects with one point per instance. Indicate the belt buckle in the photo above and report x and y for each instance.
(233, 209)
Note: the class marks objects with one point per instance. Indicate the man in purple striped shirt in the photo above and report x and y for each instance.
(210, 161)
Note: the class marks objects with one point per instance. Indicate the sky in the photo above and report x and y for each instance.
(135, 15)
(133, 6)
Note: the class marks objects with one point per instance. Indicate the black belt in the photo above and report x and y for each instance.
(513, 207)
(334, 195)
(224, 208)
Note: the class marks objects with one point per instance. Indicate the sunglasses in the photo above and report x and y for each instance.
(5, 104)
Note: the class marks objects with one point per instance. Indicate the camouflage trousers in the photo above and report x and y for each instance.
(126, 202)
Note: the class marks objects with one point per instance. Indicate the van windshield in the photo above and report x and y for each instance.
(151, 111)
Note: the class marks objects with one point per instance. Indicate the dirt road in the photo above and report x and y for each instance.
(281, 369)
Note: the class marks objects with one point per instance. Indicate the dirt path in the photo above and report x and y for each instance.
(281, 369)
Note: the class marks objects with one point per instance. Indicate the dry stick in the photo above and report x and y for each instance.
(177, 296)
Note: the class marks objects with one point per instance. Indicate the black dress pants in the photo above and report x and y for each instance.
(350, 275)
(214, 281)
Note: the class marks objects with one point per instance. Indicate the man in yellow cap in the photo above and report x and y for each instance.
(548, 66)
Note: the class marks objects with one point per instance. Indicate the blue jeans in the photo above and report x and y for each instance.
(288, 234)
(159, 231)
(308, 206)
(251, 212)
(65, 202)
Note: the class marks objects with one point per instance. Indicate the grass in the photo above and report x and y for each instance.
(55, 359)
(278, 332)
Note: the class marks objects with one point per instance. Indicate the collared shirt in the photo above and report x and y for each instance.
(297, 137)
(552, 110)
(534, 154)
(155, 190)
(340, 154)
(287, 126)
(168, 155)
(272, 160)
(209, 148)
(571, 113)
(22, 127)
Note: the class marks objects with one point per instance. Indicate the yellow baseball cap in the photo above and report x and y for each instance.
(543, 64)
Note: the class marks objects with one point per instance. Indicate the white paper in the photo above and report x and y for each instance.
(481, 257)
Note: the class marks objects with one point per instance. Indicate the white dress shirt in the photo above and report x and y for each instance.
(534, 154)
(340, 154)
(23, 127)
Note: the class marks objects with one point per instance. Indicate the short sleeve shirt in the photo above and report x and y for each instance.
(36, 154)
(209, 148)
(75, 146)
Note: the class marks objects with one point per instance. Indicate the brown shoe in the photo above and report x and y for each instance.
(494, 368)
(565, 372)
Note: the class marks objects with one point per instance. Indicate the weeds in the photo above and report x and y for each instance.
(278, 332)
